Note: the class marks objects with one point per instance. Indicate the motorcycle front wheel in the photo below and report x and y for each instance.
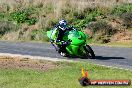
(89, 52)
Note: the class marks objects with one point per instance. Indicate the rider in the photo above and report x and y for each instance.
(59, 30)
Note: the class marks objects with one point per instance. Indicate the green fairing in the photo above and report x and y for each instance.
(49, 33)
(78, 41)
(52, 34)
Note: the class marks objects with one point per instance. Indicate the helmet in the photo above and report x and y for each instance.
(62, 25)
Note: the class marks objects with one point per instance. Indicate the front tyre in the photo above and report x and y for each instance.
(89, 52)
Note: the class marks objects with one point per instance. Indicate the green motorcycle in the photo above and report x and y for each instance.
(77, 46)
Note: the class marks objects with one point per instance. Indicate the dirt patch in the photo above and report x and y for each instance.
(122, 36)
(26, 63)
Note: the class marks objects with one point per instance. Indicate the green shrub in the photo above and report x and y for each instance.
(19, 17)
(23, 16)
(122, 9)
(31, 21)
(88, 17)
(105, 10)
(92, 15)
(102, 26)
(80, 24)
(2, 15)
(102, 31)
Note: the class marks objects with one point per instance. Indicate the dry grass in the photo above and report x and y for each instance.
(48, 12)
(58, 4)
(26, 63)
(122, 36)
(45, 15)
(125, 43)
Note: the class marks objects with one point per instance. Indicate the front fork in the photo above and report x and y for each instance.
(82, 50)
(55, 46)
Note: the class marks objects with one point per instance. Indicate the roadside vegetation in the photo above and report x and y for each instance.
(27, 73)
(103, 22)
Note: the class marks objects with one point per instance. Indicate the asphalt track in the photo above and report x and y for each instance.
(119, 57)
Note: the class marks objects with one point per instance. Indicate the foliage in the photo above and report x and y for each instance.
(23, 16)
(6, 27)
(39, 35)
(1, 15)
(4, 16)
(85, 19)
(122, 9)
(102, 31)
(44, 16)
(127, 19)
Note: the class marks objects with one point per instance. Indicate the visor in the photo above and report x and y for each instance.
(63, 26)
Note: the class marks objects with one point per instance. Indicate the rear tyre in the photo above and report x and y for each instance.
(89, 52)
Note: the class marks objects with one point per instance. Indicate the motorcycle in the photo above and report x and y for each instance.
(78, 46)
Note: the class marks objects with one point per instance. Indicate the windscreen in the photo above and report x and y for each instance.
(74, 33)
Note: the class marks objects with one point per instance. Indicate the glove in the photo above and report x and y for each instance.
(57, 41)
(65, 43)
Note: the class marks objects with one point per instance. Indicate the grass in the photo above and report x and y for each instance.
(117, 44)
(64, 77)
